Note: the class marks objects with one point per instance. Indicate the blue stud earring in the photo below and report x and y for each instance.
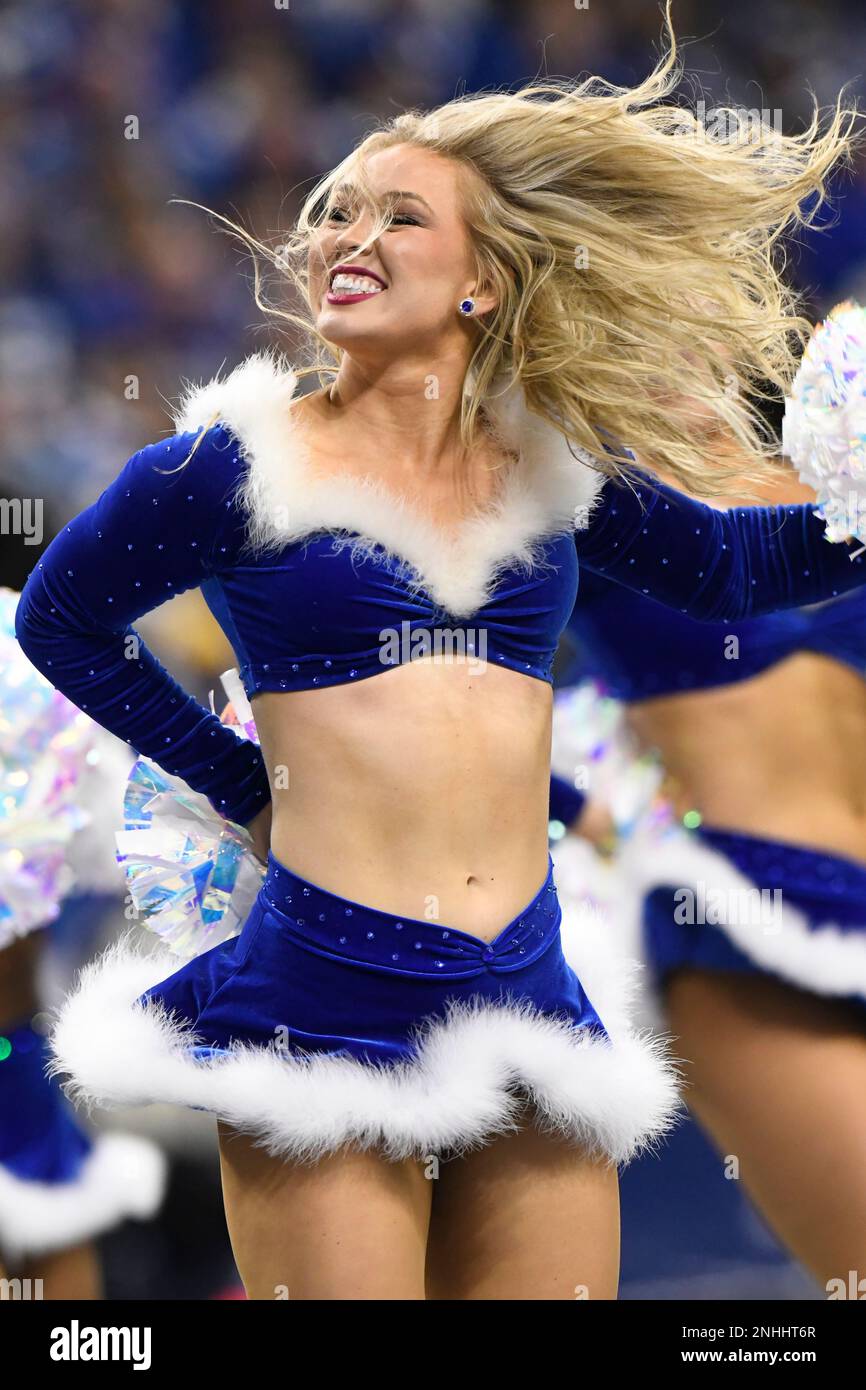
(467, 307)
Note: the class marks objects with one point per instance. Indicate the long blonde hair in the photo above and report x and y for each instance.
(636, 257)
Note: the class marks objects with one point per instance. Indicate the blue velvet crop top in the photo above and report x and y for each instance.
(310, 612)
(642, 649)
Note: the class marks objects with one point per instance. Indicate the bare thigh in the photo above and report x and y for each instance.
(529, 1216)
(778, 1078)
(351, 1226)
(75, 1272)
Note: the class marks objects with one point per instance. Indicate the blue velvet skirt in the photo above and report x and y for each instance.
(754, 905)
(313, 972)
(327, 1022)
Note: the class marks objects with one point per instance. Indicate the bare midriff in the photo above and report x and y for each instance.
(422, 791)
(781, 756)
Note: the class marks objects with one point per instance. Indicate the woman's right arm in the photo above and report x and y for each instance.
(149, 536)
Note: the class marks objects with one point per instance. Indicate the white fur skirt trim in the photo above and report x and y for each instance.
(122, 1176)
(756, 912)
(602, 909)
(465, 1083)
(759, 914)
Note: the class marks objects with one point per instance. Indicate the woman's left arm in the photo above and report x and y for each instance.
(714, 565)
(566, 803)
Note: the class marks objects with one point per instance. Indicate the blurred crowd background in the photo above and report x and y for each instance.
(240, 105)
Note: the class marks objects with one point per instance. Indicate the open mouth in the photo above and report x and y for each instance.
(351, 286)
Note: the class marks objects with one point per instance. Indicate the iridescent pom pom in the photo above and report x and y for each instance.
(191, 874)
(592, 749)
(824, 429)
(45, 744)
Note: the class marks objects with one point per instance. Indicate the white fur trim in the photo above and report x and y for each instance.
(548, 491)
(602, 932)
(615, 1097)
(824, 959)
(123, 1176)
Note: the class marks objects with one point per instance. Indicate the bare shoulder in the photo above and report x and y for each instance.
(781, 487)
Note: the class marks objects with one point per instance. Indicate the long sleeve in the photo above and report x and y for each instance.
(149, 536)
(566, 802)
(714, 565)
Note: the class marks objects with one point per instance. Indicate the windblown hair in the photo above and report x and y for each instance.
(635, 253)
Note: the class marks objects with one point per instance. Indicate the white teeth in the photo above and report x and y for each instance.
(355, 284)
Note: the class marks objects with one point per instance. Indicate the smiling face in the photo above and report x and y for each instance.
(405, 289)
